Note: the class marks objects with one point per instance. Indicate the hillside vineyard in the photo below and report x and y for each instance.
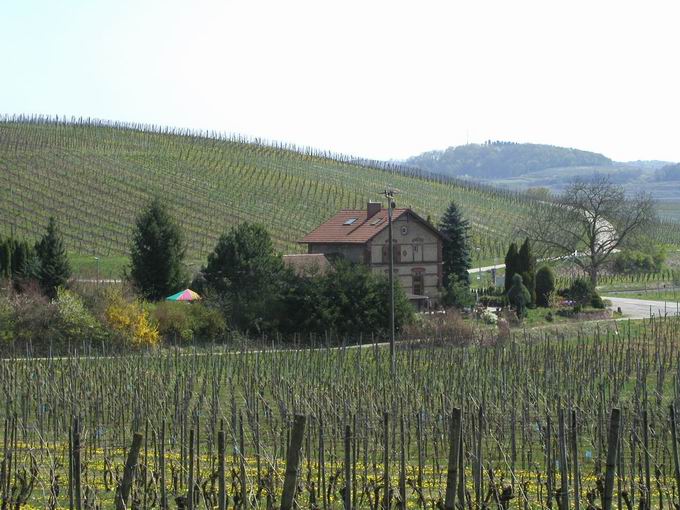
(95, 176)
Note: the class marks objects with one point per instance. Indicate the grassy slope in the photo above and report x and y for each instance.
(96, 178)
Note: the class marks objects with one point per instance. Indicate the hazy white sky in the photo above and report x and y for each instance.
(371, 78)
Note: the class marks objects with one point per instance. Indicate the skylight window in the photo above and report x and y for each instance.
(350, 221)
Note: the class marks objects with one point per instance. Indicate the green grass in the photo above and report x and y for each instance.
(87, 266)
(111, 267)
(95, 178)
(537, 317)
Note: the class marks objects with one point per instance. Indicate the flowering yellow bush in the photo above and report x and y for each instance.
(130, 319)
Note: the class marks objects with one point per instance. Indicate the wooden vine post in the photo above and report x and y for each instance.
(221, 447)
(77, 470)
(129, 472)
(161, 468)
(454, 453)
(676, 460)
(293, 462)
(348, 468)
(574, 460)
(564, 471)
(612, 453)
(386, 461)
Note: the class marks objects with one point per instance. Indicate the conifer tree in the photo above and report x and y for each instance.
(5, 258)
(54, 269)
(246, 271)
(527, 268)
(456, 249)
(19, 258)
(511, 265)
(519, 296)
(157, 253)
(545, 286)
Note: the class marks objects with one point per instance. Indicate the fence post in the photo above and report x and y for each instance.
(293, 462)
(129, 471)
(454, 452)
(612, 452)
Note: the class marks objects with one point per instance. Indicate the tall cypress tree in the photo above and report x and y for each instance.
(456, 250)
(511, 265)
(5, 258)
(54, 269)
(157, 253)
(545, 286)
(527, 268)
(19, 256)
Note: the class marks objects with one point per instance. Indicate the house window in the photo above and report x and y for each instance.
(418, 282)
(418, 250)
(396, 253)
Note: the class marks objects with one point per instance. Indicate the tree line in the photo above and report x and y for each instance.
(45, 262)
(244, 284)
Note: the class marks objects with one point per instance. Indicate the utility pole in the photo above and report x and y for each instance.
(389, 195)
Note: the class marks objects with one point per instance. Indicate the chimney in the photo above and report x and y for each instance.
(372, 209)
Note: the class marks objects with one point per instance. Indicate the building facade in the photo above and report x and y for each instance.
(361, 236)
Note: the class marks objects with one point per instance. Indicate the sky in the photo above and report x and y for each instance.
(378, 79)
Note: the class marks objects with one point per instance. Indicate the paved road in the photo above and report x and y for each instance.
(643, 308)
(485, 268)
(502, 266)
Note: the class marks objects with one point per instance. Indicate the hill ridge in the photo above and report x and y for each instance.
(497, 159)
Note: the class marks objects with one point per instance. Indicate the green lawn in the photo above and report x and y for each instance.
(107, 268)
(111, 267)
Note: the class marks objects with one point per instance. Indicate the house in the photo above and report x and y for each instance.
(361, 236)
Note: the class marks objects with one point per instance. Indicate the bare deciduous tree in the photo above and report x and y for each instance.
(593, 218)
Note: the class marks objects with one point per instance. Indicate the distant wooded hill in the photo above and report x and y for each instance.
(668, 173)
(524, 166)
(502, 160)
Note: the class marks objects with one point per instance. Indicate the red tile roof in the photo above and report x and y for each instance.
(362, 230)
